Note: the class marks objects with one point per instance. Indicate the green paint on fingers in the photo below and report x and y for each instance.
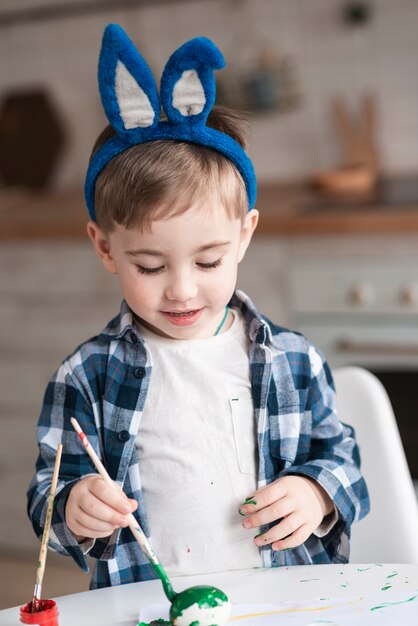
(249, 500)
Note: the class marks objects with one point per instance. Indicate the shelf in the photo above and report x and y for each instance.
(292, 209)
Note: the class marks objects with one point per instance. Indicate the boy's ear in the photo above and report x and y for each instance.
(248, 227)
(101, 246)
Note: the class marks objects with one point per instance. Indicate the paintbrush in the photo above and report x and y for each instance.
(201, 604)
(133, 524)
(36, 602)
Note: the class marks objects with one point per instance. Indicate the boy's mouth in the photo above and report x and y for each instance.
(183, 318)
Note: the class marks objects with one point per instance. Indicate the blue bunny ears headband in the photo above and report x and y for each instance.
(132, 105)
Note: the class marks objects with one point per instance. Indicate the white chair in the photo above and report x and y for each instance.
(389, 534)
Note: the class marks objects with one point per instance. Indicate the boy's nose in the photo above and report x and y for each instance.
(181, 289)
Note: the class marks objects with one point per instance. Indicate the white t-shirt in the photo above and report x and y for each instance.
(197, 451)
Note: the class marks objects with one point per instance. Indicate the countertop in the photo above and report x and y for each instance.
(296, 595)
(285, 209)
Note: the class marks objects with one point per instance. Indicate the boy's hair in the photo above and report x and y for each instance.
(158, 179)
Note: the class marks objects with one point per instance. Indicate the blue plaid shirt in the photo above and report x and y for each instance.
(104, 383)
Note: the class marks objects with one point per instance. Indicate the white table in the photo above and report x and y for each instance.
(119, 606)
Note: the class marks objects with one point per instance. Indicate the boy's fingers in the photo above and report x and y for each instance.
(284, 530)
(269, 514)
(91, 533)
(92, 523)
(103, 511)
(134, 504)
(262, 498)
(298, 537)
(111, 495)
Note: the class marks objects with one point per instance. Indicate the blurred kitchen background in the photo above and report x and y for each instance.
(331, 89)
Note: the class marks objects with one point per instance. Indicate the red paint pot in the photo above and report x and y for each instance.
(46, 616)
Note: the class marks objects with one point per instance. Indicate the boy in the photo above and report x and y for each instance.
(200, 408)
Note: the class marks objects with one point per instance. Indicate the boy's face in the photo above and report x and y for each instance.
(179, 275)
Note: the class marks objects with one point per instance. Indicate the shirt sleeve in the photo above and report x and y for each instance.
(64, 398)
(86, 545)
(327, 524)
(334, 460)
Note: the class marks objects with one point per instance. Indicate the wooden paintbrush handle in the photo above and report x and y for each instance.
(133, 524)
(47, 527)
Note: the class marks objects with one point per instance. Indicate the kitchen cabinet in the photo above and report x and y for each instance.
(357, 300)
(306, 282)
(356, 291)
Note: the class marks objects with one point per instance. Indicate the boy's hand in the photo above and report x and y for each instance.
(298, 502)
(94, 508)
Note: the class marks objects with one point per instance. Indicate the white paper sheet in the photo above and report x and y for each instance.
(378, 610)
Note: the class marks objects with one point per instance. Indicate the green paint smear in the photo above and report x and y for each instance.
(392, 575)
(204, 596)
(307, 580)
(249, 500)
(387, 587)
(167, 586)
(387, 604)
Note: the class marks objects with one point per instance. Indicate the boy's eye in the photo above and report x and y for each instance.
(149, 270)
(210, 266)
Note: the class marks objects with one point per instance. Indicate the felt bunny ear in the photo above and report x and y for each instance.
(130, 100)
(127, 87)
(188, 84)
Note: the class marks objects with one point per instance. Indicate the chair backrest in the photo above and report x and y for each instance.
(389, 533)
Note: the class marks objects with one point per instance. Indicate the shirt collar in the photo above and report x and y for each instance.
(122, 326)
(258, 329)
